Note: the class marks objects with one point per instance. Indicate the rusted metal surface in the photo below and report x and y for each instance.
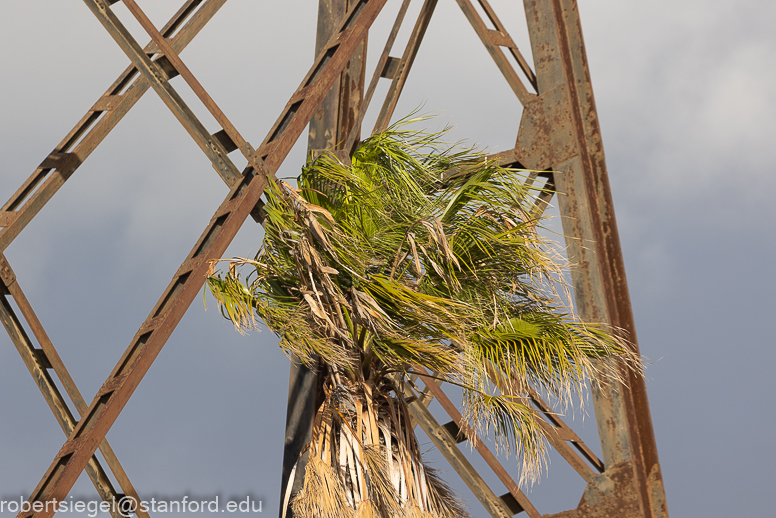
(98, 122)
(612, 493)
(558, 134)
(404, 66)
(236, 140)
(336, 116)
(158, 78)
(479, 445)
(600, 287)
(494, 40)
(39, 362)
(336, 124)
(185, 285)
(545, 136)
(146, 344)
(334, 56)
(502, 38)
(448, 446)
(557, 432)
(30, 198)
(351, 95)
(380, 71)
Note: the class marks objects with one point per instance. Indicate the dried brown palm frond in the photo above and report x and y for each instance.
(394, 262)
(322, 493)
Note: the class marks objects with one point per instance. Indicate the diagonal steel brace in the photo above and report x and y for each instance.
(33, 195)
(243, 197)
(39, 362)
(98, 122)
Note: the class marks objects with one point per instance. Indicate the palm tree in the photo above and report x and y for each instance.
(415, 255)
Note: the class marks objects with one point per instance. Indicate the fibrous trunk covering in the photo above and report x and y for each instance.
(364, 458)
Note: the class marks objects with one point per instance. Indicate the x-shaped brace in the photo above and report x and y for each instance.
(247, 187)
(30, 199)
(246, 190)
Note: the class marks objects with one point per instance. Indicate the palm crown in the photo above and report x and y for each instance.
(415, 255)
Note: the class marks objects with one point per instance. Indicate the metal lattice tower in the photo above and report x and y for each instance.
(558, 133)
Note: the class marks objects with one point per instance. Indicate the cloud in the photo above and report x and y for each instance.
(686, 93)
(689, 97)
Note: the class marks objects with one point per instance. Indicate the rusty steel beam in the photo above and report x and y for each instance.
(558, 134)
(505, 40)
(447, 444)
(159, 79)
(335, 117)
(98, 122)
(404, 66)
(37, 368)
(494, 40)
(145, 346)
(235, 139)
(351, 96)
(559, 130)
(39, 362)
(557, 432)
(386, 67)
(334, 56)
(243, 197)
(560, 434)
(424, 396)
(30, 198)
(302, 387)
(471, 435)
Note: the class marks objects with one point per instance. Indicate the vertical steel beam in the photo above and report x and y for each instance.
(560, 130)
(337, 116)
(381, 70)
(335, 120)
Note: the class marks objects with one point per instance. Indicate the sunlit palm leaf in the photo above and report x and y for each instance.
(416, 254)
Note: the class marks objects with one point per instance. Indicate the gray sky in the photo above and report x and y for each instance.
(686, 94)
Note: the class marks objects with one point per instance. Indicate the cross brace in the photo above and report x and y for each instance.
(558, 133)
(242, 199)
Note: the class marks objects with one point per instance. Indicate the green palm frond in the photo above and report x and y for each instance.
(420, 254)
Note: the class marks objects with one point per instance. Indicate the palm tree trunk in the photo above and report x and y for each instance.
(364, 458)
